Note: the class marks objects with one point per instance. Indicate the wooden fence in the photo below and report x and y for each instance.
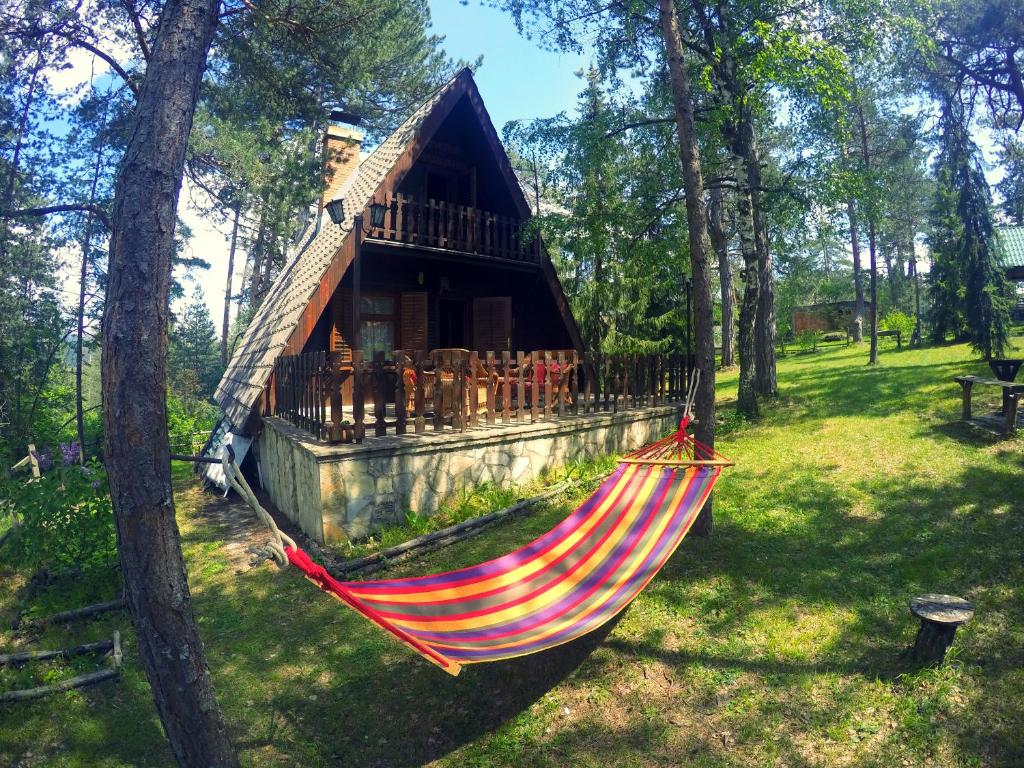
(440, 224)
(341, 400)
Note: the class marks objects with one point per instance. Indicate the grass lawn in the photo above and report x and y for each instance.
(780, 640)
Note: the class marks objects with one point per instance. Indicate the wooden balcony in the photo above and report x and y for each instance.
(439, 224)
(456, 390)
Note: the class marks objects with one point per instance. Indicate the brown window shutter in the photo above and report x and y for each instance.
(413, 334)
(492, 323)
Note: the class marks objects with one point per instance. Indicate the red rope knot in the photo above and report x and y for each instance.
(681, 436)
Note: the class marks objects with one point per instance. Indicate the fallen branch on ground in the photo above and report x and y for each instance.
(61, 653)
(77, 614)
(80, 681)
(437, 539)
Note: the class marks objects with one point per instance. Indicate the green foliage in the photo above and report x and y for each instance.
(66, 517)
(1011, 187)
(970, 295)
(188, 419)
(898, 321)
(611, 208)
(193, 361)
(807, 341)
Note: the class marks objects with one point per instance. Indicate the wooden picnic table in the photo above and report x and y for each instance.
(1011, 399)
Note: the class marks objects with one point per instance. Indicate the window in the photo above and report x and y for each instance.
(377, 327)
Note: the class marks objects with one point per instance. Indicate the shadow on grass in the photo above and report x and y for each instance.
(320, 683)
(361, 698)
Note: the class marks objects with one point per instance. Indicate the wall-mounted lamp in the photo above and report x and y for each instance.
(336, 210)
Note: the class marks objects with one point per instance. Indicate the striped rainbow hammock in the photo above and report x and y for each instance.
(564, 584)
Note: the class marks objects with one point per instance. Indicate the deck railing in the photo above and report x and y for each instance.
(440, 224)
(338, 399)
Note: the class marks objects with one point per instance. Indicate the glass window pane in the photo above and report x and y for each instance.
(378, 305)
(378, 336)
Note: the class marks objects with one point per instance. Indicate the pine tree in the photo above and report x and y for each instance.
(969, 291)
(194, 365)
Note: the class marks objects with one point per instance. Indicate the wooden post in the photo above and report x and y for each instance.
(574, 389)
(472, 386)
(520, 387)
(506, 386)
(588, 384)
(33, 458)
(459, 392)
(357, 284)
(547, 384)
(419, 402)
(492, 377)
(563, 384)
(380, 394)
(439, 386)
(401, 363)
(336, 402)
(1011, 399)
(358, 396)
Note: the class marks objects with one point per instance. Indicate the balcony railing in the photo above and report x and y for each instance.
(440, 224)
(339, 399)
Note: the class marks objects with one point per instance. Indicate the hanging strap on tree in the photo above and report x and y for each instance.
(691, 396)
(237, 481)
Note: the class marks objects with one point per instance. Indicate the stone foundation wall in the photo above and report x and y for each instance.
(336, 492)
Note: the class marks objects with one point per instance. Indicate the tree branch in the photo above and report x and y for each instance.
(95, 210)
(87, 46)
(140, 35)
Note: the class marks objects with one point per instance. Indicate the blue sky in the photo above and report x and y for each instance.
(518, 80)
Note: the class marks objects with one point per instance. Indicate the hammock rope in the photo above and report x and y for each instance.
(568, 582)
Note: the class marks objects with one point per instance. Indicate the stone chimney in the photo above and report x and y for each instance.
(341, 158)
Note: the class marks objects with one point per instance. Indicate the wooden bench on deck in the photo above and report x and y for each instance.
(1011, 400)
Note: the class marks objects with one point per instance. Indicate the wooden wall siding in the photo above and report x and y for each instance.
(340, 400)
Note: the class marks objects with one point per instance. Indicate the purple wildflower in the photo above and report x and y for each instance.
(45, 459)
(95, 485)
(69, 453)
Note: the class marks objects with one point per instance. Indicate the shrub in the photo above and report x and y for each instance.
(808, 340)
(896, 320)
(67, 520)
(188, 422)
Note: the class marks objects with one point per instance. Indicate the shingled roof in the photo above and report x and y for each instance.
(274, 325)
(1012, 247)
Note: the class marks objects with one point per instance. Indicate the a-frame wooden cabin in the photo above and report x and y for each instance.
(450, 265)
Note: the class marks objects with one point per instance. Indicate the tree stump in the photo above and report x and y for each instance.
(940, 616)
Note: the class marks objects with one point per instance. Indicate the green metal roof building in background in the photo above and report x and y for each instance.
(1012, 251)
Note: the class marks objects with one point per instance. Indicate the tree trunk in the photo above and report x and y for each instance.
(134, 386)
(225, 327)
(746, 395)
(858, 278)
(83, 277)
(873, 317)
(12, 173)
(719, 241)
(696, 218)
(765, 379)
(872, 236)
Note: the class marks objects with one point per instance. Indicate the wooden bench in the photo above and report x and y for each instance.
(1011, 399)
(897, 334)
